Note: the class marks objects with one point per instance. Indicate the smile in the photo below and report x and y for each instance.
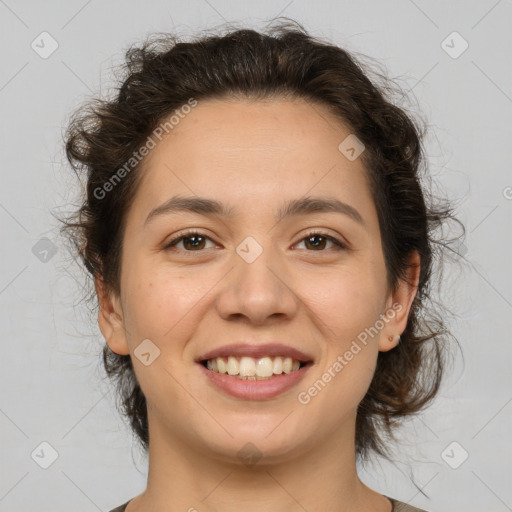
(250, 368)
(254, 387)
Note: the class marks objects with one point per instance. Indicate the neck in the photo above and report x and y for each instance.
(182, 477)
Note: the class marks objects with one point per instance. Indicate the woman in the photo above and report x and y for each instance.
(261, 249)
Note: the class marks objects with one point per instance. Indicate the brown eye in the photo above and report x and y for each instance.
(195, 242)
(192, 242)
(317, 242)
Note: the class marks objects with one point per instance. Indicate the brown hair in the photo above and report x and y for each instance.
(163, 74)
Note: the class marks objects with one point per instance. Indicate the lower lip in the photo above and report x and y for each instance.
(256, 389)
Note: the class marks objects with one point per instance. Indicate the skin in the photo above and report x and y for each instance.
(253, 155)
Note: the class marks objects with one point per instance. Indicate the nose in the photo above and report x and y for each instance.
(257, 291)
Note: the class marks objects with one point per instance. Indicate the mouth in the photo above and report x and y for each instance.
(255, 372)
(250, 368)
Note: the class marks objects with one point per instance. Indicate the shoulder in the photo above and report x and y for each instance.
(400, 506)
(121, 508)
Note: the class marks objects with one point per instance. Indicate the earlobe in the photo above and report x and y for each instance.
(387, 343)
(401, 300)
(110, 319)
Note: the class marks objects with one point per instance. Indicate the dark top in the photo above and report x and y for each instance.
(398, 506)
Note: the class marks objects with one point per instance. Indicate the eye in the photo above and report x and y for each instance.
(319, 239)
(192, 239)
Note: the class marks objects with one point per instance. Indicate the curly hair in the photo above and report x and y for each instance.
(164, 73)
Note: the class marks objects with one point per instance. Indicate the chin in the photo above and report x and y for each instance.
(269, 441)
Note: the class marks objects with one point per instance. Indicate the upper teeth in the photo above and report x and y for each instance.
(250, 367)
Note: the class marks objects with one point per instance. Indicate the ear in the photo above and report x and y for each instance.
(399, 305)
(110, 319)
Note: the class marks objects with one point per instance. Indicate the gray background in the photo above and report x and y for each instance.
(53, 388)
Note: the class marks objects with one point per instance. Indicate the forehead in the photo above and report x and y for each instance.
(252, 152)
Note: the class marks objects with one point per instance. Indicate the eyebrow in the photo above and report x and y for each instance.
(210, 207)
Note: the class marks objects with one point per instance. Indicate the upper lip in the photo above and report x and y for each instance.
(256, 351)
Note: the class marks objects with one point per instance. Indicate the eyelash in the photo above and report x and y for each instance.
(189, 234)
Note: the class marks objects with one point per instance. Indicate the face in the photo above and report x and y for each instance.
(312, 280)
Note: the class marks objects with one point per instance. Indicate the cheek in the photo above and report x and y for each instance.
(155, 304)
(348, 299)
(348, 308)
